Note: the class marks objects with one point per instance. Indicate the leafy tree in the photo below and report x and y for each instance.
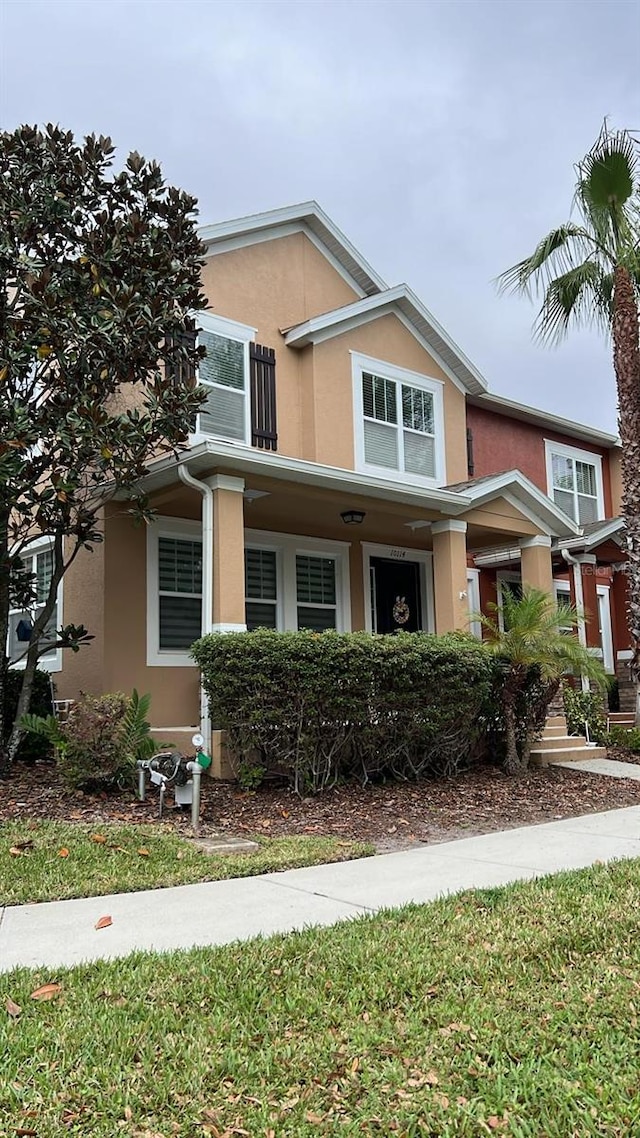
(98, 274)
(528, 640)
(588, 272)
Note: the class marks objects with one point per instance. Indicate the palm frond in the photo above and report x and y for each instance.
(559, 251)
(582, 296)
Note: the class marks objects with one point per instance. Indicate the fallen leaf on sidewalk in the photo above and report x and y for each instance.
(104, 922)
(46, 992)
(13, 1008)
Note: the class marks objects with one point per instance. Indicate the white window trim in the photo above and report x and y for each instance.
(424, 558)
(286, 547)
(385, 370)
(473, 597)
(230, 330)
(604, 592)
(53, 661)
(595, 460)
(175, 528)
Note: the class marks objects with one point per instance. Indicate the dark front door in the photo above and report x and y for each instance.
(395, 595)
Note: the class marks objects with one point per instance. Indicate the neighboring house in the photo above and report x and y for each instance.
(348, 471)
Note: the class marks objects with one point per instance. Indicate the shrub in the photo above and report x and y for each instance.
(318, 707)
(40, 703)
(101, 739)
(628, 738)
(585, 707)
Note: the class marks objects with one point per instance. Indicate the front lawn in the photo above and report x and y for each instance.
(49, 861)
(510, 1011)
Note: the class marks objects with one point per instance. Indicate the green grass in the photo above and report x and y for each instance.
(510, 1011)
(114, 865)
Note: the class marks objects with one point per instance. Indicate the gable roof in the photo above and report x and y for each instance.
(404, 303)
(594, 534)
(516, 488)
(306, 217)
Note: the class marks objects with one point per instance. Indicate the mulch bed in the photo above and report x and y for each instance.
(393, 815)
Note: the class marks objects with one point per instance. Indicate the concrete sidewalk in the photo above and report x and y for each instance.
(63, 932)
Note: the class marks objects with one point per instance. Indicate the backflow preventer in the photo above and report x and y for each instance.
(170, 768)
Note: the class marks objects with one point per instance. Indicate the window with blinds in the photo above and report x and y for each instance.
(399, 426)
(179, 593)
(316, 592)
(40, 566)
(222, 372)
(575, 488)
(261, 588)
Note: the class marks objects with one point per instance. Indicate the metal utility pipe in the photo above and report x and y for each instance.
(196, 773)
(186, 476)
(142, 784)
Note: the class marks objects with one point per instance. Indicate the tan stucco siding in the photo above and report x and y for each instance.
(385, 339)
(270, 286)
(503, 516)
(174, 691)
(83, 603)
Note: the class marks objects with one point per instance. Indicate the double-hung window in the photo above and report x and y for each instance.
(399, 421)
(575, 482)
(294, 582)
(238, 376)
(174, 591)
(37, 561)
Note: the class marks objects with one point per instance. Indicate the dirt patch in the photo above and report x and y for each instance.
(393, 815)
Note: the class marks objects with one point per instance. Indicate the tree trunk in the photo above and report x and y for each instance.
(626, 360)
(512, 761)
(4, 629)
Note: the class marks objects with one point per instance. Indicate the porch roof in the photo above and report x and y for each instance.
(594, 534)
(516, 488)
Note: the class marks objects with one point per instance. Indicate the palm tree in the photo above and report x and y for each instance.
(588, 272)
(535, 656)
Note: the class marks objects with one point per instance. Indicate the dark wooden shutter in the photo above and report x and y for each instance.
(263, 397)
(180, 370)
(470, 463)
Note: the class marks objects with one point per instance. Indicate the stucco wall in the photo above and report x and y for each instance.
(501, 443)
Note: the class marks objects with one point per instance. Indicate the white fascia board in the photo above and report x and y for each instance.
(545, 419)
(608, 529)
(404, 303)
(237, 457)
(525, 496)
(318, 222)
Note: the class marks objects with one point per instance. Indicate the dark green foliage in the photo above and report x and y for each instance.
(626, 737)
(585, 707)
(321, 707)
(31, 748)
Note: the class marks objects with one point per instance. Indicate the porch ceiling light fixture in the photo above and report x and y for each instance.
(353, 517)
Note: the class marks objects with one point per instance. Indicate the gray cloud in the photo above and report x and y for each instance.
(439, 136)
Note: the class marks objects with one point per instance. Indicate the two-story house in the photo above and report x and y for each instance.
(349, 470)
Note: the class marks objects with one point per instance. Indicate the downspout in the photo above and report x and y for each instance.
(579, 595)
(207, 581)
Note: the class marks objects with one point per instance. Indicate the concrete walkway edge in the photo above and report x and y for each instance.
(62, 933)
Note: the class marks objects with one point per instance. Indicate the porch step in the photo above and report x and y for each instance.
(544, 757)
(560, 731)
(557, 721)
(554, 742)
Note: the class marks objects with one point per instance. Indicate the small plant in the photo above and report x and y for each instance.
(101, 740)
(585, 711)
(251, 777)
(627, 738)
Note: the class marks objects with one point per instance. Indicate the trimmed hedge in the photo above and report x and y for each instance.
(319, 707)
(31, 747)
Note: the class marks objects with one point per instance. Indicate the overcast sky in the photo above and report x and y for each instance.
(440, 137)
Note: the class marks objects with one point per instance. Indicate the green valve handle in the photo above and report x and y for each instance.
(204, 760)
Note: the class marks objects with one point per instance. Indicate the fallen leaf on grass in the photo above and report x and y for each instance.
(15, 852)
(103, 923)
(13, 1008)
(63, 852)
(46, 992)
(99, 839)
(25, 1131)
(128, 1113)
(143, 852)
(316, 1119)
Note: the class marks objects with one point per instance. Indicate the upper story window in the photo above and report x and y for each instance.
(399, 422)
(574, 481)
(239, 376)
(38, 560)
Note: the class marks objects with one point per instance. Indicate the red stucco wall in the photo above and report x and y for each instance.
(501, 443)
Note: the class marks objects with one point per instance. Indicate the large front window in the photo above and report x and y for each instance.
(296, 583)
(398, 422)
(575, 482)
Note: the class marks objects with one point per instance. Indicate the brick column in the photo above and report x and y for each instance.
(228, 553)
(535, 563)
(450, 575)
